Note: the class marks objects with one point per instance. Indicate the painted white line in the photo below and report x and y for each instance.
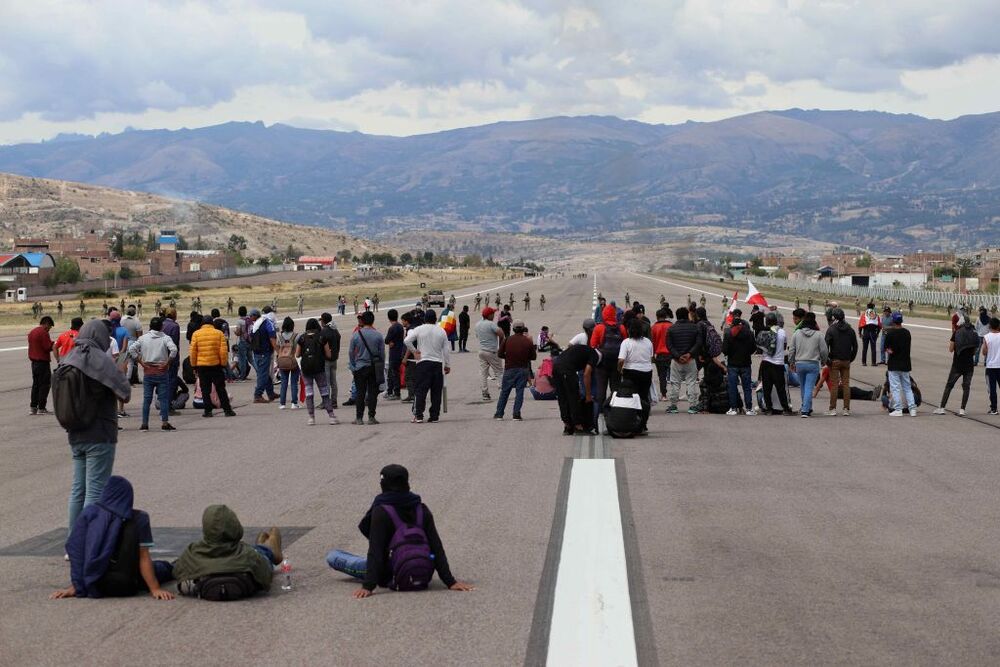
(592, 611)
(13, 349)
(849, 317)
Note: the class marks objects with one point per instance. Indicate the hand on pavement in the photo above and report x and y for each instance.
(460, 586)
(362, 593)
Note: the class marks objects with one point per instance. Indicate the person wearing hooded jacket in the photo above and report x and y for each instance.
(806, 354)
(842, 347)
(96, 540)
(607, 373)
(221, 550)
(964, 346)
(94, 446)
(378, 528)
(684, 343)
(739, 346)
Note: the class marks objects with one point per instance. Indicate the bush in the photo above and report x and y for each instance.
(137, 292)
(97, 294)
(183, 287)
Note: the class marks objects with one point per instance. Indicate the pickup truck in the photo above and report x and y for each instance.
(435, 297)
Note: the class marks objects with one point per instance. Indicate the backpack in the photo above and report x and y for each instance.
(623, 411)
(260, 342)
(121, 579)
(409, 553)
(313, 360)
(767, 342)
(247, 329)
(73, 395)
(286, 353)
(713, 342)
(220, 587)
(611, 345)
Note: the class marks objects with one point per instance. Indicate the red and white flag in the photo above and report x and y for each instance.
(732, 307)
(755, 298)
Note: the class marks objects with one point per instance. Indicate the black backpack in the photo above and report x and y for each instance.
(73, 397)
(221, 587)
(121, 580)
(313, 361)
(611, 346)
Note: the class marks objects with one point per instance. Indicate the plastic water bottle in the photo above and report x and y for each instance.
(286, 575)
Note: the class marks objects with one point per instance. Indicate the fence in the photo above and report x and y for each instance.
(884, 294)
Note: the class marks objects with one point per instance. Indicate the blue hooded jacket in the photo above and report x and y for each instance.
(94, 538)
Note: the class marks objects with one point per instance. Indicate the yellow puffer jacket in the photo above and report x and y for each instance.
(209, 347)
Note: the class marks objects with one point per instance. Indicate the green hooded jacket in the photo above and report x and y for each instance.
(221, 550)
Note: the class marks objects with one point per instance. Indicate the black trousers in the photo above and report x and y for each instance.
(430, 377)
(41, 380)
(463, 339)
(571, 406)
(869, 338)
(773, 377)
(641, 381)
(953, 375)
(214, 376)
(366, 385)
(663, 372)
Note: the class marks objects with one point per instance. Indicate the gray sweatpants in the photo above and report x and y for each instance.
(687, 375)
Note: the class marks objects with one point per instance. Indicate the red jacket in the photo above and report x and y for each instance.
(610, 317)
(659, 333)
(39, 344)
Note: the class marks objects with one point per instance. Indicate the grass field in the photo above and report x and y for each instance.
(318, 291)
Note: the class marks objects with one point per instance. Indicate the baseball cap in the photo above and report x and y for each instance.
(255, 312)
(487, 311)
(897, 317)
(519, 324)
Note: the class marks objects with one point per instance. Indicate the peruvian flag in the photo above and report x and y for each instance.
(755, 298)
(732, 307)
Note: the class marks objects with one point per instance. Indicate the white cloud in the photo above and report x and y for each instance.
(402, 66)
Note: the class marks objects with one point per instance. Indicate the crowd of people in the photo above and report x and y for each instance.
(619, 365)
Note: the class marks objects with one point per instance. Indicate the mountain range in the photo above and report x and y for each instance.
(870, 179)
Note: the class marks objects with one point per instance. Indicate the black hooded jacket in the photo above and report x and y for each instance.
(842, 341)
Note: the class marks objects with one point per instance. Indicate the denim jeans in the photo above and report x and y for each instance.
(899, 385)
(289, 378)
(243, 359)
(262, 367)
(348, 563)
(992, 381)
(736, 377)
(92, 464)
(808, 372)
(160, 382)
(515, 379)
(881, 347)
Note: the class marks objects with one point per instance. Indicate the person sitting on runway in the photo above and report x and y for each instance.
(108, 549)
(220, 566)
(404, 548)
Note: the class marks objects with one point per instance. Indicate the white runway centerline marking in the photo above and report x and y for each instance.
(592, 611)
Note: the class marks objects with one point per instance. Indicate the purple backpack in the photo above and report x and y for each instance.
(409, 553)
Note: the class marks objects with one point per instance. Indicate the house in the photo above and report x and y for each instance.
(309, 263)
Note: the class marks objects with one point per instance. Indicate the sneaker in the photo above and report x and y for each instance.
(167, 426)
(517, 418)
(804, 415)
(311, 421)
(206, 415)
(896, 413)
(692, 411)
(751, 413)
(187, 588)
(417, 420)
(34, 411)
(260, 399)
(334, 421)
(144, 427)
(961, 412)
(348, 402)
(282, 407)
(913, 412)
(940, 411)
(295, 406)
(123, 414)
(568, 431)
(787, 413)
(486, 396)
(498, 417)
(732, 411)
(433, 420)
(671, 409)
(229, 413)
(830, 413)
(358, 422)
(992, 412)
(44, 411)
(372, 421)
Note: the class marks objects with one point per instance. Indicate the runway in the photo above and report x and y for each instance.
(751, 540)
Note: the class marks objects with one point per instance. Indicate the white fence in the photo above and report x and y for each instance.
(884, 294)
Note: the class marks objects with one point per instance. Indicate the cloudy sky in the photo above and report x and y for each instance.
(407, 67)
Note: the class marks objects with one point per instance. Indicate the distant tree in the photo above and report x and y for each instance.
(406, 258)
(291, 252)
(134, 238)
(182, 243)
(863, 261)
(264, 261)
(236, 243)
(66, 271)
(150, 241)
(125, 273)
(134, 252)
(118, 243)
(109, 274)
(199, 244)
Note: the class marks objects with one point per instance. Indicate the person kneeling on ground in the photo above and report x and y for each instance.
(404, 548)
(221, 556)
(108, 549)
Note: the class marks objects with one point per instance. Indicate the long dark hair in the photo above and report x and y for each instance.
(287, 325)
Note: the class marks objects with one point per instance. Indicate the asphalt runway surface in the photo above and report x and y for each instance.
(751, 540)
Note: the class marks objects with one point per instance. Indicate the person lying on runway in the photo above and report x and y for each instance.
(404, 548)
(108, 549)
